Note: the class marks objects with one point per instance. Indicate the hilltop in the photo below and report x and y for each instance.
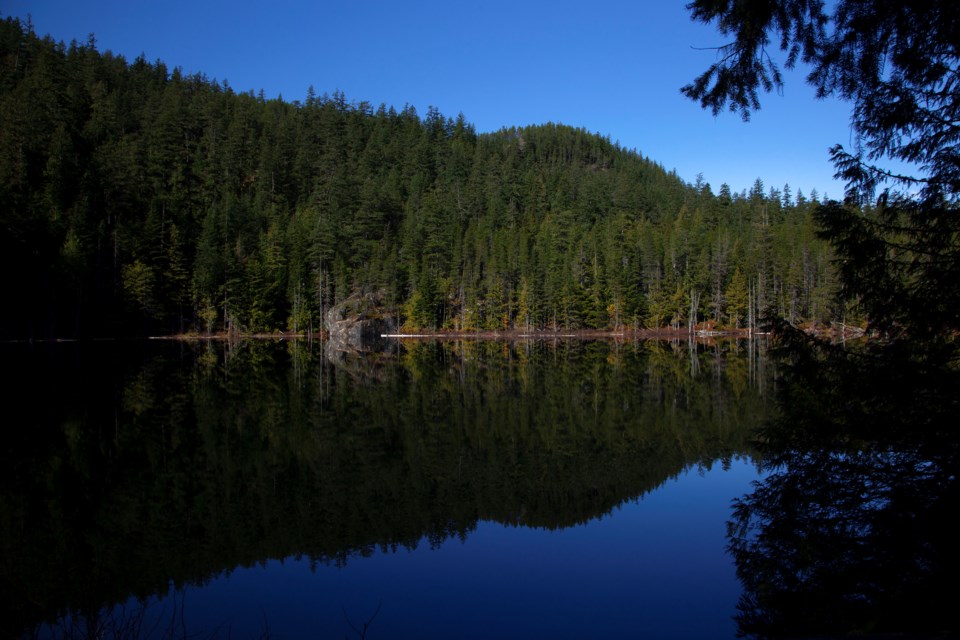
(139, 200)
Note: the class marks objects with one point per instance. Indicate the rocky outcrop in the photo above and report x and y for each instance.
(358, 322)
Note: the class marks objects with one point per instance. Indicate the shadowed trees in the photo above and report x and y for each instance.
(897, 237)
(849, 532)
(140, 200)
(846, 534)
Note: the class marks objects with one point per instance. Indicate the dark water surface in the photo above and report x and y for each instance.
(438, 489)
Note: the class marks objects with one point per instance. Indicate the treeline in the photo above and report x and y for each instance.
(137, 199)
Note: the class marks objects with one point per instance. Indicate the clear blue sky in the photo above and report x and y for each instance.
(612, 67)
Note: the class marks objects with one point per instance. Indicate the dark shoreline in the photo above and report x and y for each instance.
(509, 335)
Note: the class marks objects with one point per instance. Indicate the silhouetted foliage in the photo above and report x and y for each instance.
(899, 67)
(849, 533)
(896, 62)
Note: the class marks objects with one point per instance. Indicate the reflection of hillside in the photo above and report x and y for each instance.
(197, 461)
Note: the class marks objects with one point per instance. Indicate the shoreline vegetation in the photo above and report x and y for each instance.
(841, 332)
(829, 332)
(142, 201)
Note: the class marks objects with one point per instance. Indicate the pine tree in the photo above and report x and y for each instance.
(736, 299)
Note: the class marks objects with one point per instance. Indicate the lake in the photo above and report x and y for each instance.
(468, 489)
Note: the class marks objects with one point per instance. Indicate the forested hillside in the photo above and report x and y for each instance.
(135, 199)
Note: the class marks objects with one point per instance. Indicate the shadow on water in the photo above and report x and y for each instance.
(852, 532)
(141, 468)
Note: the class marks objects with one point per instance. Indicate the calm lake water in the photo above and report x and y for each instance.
(433, 489)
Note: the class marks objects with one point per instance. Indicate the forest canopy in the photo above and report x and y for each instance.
(139, 200)
(898, 66)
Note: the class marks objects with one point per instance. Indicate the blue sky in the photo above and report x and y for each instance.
(612, 67)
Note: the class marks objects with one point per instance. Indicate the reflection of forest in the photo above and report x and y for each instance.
(173, 462)
(852, 532)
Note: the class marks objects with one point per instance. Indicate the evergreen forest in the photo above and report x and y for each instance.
(137, 200)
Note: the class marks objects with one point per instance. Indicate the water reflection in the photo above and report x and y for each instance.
(145, 466)
(853, 530)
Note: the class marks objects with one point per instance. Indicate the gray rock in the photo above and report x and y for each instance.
(358, 323)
